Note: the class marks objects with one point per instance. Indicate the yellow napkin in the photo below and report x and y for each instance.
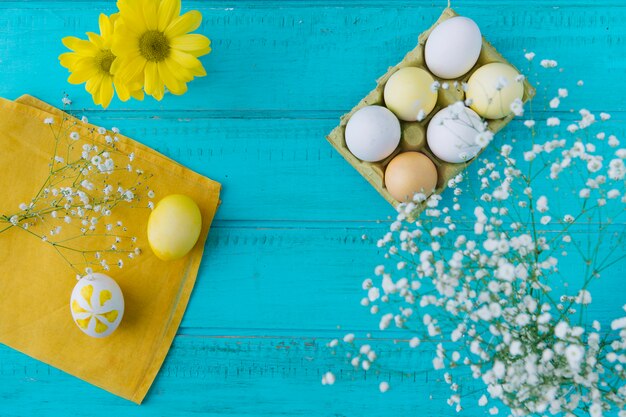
(36, 283)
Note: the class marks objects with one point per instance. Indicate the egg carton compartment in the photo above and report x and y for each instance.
(413, 136)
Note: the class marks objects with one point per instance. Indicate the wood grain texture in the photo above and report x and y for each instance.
(285, 259)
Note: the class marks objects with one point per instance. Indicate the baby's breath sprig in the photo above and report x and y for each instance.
(89, 180)
(495, 277)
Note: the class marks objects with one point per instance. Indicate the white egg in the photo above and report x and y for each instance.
(97, 305)
(453, 47)
(373, 133)
(452, 132)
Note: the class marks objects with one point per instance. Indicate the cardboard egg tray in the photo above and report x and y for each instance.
(414, 133)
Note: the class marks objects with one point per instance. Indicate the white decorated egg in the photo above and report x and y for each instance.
(409, 93)
(372, 133)
(453, 47)
(492, 89)
(97, 305)
(452, 133)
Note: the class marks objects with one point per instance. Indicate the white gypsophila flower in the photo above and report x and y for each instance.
(529, 56)
(517, 107)
(553, 121)
(529, 123)
(74, 136)
(548, 63)
(328, 378)
(483, 139)
(48, 120)
(554, 103)
(563, 92)
(613, 141)
(501, 83)
(383, 386)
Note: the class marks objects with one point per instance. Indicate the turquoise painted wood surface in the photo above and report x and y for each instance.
(285, 258)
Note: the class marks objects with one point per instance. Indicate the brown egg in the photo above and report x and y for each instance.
(409, 173)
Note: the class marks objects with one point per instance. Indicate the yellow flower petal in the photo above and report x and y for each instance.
(82, 71)
(183, 58)
(69, 59)
(149, 9)
(171, 82)
(128, 70)
(198, 71)
(123, 93)
(168, 10)
(106, 91)
(126, 49)
(154, 84)
(106, 24)
(181, 72)
(95, 39)
(130, 12)
(137, 94)
(80, 46)
(188, 22)
(93, 87)
(192, 43)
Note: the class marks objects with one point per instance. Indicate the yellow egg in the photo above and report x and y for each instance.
(409, 94)
(492, 89)
(174, 227)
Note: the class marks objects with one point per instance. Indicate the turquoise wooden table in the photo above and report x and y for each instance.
(284, 261)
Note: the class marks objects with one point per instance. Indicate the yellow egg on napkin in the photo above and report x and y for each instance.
(174, 227)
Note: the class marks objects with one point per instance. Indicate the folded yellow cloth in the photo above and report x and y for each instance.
(36, 282)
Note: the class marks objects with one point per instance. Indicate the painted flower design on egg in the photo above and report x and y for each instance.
(97, 305)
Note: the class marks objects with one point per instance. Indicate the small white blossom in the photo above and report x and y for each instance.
(548, 63)
(553, 121)
(328, 378)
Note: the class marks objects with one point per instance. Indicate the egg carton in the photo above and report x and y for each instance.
(414, 133)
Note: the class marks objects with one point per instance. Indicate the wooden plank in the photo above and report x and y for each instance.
(285, 259)
(265, 279)
(295, 56)
(280, 169)
(236, 377)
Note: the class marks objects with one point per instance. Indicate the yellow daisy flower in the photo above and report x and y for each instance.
(91, 62)
(154, 47)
